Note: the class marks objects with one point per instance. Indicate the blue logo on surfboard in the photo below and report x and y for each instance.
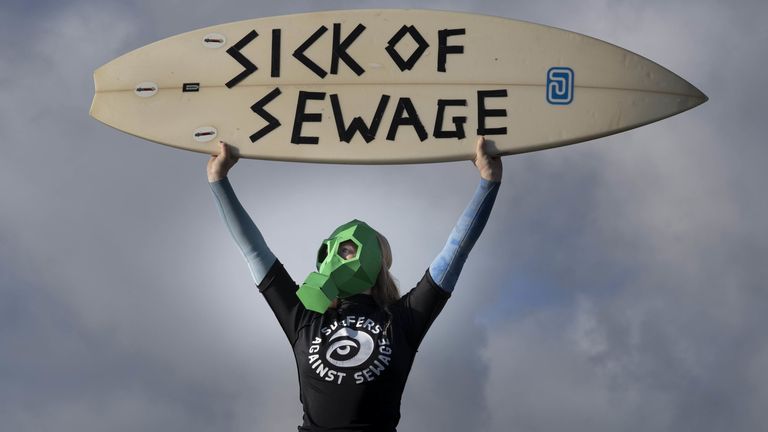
(560, 85)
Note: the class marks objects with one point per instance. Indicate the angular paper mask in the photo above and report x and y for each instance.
(339, 278)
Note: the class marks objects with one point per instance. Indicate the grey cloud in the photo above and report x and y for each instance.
(674, 211)
(125, 306)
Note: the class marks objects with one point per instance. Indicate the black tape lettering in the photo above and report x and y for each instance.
(302, 116)
(444, 49)
(405, 105)
(275, 53)
(340, 49)
(396, 57)
(358, 125)
(299, 53)
(234, 51)
(258, 108)
(457, 121)
(482, 112)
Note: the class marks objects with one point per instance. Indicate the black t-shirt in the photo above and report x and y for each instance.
(353, 361)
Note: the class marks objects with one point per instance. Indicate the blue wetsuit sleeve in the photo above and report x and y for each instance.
(243, 230)
(447, 265)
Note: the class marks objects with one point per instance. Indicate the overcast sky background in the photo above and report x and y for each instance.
(620, 284)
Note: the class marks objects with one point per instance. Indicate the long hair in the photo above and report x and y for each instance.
(385, 291)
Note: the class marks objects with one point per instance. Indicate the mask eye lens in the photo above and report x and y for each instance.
(322, 253)
(347, 250)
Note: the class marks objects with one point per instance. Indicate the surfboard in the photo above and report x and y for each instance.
(382, 87)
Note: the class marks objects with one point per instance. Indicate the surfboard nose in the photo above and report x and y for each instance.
(662, 83)
(687, 89)
(700, 95)
(692, 96)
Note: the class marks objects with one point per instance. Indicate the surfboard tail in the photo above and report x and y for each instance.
(95, 95)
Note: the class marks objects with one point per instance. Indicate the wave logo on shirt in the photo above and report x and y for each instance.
(354, 349)
(349, 348)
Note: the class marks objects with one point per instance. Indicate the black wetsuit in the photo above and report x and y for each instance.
(353, 361)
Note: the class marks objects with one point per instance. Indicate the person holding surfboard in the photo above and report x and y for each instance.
(353, 336)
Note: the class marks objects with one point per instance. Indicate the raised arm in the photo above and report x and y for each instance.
(447, 265)
(252, 245)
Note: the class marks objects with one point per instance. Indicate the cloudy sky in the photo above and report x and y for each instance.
(619, 285)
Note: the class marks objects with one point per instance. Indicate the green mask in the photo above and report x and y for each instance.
(339, 278)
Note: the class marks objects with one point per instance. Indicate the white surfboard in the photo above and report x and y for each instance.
(382, 86)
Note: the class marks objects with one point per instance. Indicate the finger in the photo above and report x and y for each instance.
(215, 154)
(478, 152)
(479, 144)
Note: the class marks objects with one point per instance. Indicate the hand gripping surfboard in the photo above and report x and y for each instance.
(382, 87)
